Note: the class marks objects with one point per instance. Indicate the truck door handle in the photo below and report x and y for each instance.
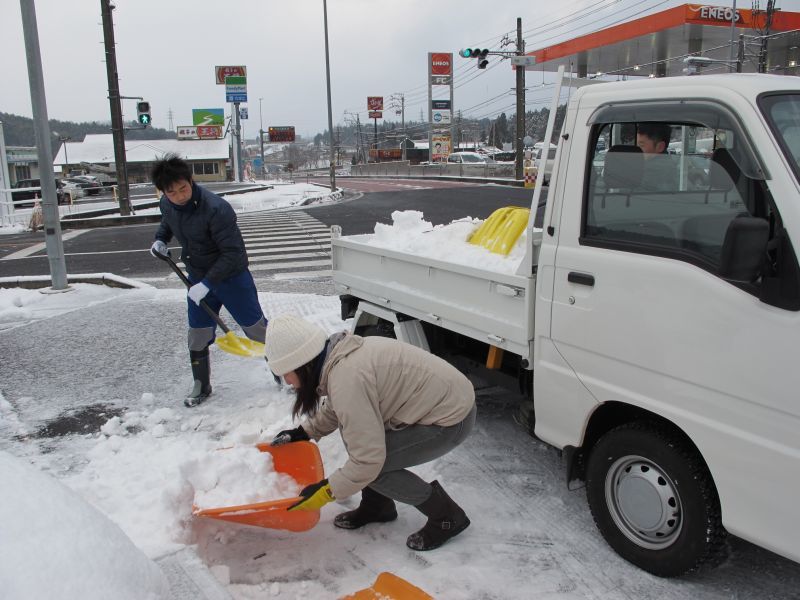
(580, 278)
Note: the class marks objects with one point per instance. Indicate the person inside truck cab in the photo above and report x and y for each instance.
(395, 405)
(660, 171)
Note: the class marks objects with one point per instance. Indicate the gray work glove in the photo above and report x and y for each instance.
(159, 247)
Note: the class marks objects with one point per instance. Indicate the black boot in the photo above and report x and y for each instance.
(446, 520)
(201, 371)
(374, 508)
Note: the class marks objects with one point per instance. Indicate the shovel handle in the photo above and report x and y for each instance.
(167, 259)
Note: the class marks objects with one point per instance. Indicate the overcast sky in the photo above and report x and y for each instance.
(167, 50)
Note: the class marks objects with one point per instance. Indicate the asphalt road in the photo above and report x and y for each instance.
(125, 250)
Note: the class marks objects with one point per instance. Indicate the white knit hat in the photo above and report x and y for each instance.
(291, 342)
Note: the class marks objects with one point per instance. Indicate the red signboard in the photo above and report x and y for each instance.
(209, 132)
(281, 134)
(375, 102)
(229, 71)
(441, 63)
(375, 114)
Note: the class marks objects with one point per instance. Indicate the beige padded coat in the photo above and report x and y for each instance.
(370, 385)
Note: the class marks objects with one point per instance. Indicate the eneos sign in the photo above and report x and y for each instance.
(441, 63)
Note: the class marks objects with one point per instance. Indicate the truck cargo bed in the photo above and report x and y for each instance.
(496, 308)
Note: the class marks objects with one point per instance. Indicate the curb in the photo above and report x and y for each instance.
(36, 282)
(498, 181)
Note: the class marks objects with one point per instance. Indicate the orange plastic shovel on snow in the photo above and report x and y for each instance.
(299, 460)
(389, 586)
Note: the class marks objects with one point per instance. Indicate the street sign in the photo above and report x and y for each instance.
(523, 61)
(440, 104)
(375, 114)
(208, 116)
(374, 103)
(243, 112)
(281, 134)
(223, 72)
(236, 88)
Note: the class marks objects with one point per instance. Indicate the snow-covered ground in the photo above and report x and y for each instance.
(115, 360)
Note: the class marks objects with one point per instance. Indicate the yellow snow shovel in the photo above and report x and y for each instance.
(230, 342)
(389, 586)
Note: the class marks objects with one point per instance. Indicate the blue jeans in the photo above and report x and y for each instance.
(415, 445)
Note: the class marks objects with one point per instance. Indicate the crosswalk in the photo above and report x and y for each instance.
(286, 245)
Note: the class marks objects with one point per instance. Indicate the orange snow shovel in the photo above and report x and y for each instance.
(299, 460)
(230, 342)
(389, 586)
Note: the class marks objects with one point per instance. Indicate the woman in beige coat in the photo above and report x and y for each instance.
(395, 405)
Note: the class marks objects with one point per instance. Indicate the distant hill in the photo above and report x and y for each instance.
(19, 131)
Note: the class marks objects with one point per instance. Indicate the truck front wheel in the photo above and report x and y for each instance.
(653, 499)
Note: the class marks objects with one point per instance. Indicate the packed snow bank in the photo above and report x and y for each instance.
(410, 233)
(53, 544)
(236, 476)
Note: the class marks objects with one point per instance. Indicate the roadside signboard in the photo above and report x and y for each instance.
(235, 88)
(375, 114)
(208, 116)
(375, 102)
(440, 104)
(281, 134)
(440, 79)
(223, 72)
(209, 132)
(187, 132)
(441, 63)
(441, 117)
(440, 147)
(243, 112)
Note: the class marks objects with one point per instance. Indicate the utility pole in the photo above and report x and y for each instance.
(261, 137)
(360, 153)
(330, 111)
(52, 226)
(114, 101)
(518, 170)
(402, 98)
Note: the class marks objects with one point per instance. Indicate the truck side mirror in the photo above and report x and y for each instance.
(744, 249)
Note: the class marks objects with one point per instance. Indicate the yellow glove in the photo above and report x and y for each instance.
(314, 496)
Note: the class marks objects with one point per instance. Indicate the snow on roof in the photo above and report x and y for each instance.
(99, 148)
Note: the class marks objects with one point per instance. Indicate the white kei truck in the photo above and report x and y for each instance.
(654, 324)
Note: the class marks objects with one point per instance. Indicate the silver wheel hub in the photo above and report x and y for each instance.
(643, 502)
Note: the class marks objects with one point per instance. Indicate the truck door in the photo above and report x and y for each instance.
(662, 301)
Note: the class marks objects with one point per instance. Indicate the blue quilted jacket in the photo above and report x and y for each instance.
(212, 247)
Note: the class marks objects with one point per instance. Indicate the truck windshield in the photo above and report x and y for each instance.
(783, 113)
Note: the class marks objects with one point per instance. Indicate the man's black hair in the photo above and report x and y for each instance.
(658, 132)
(170, 169)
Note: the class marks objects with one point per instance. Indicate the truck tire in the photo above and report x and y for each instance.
(654, 501)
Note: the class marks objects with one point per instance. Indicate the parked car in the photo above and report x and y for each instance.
(90, 187)
(31, 189)
(548, 162)
(466, 158)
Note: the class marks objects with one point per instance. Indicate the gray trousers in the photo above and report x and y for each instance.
(415, 445)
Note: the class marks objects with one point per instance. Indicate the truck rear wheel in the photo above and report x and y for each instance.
(653, 499)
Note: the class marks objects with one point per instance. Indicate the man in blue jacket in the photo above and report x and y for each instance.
(213, 251)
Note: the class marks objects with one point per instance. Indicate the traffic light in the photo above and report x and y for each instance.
(143, 113)
(479, 53)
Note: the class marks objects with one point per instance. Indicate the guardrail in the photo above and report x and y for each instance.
(406, 169)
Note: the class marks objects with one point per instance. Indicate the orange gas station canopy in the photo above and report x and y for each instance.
(656, 44)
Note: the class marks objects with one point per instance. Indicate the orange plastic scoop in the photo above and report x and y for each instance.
(389, 586)
(299, 460)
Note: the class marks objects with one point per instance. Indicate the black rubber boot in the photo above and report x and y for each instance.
(446, 519)
(201, 371)
(374, 508)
